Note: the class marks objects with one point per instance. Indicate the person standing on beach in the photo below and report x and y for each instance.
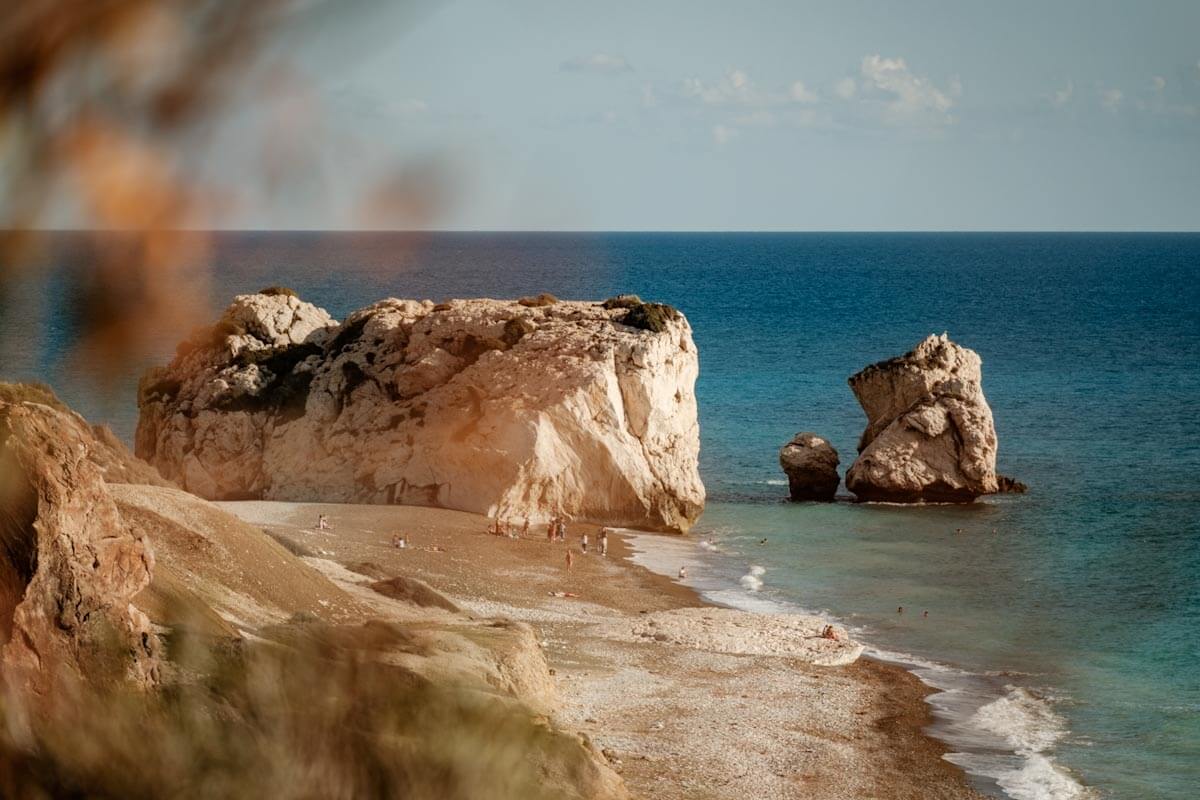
(322, 522)
(525, 528)
(550, 526)
(584, 542)
(570, 560)
(604, 541)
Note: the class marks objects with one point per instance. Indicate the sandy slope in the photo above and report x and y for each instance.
(703, 703)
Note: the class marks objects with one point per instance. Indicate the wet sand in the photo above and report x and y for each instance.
(676, 721)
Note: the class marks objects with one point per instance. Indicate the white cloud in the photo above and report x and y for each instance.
(845, 88)
(1062, 97)
(914, 99)
(736, 88)
(723, 134)
(802, 94)
(604, 63)
(1111, 100)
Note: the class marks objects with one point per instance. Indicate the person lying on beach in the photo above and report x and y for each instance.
(562, 594)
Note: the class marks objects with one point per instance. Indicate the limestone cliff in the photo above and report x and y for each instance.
(930, 434)
(517, 409)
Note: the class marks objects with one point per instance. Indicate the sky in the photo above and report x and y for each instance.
(663, 115)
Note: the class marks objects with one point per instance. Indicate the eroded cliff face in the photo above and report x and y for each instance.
(930, 434)
(517, 409)
(70, 564)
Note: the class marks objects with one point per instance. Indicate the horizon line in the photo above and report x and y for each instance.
(581, 231)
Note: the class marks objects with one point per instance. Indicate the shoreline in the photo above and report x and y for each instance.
(677, 714)
(963, 708)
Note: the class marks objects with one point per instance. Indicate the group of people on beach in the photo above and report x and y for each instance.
(505, 528)
(556, 531)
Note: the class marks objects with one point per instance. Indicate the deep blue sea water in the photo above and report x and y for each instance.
(1073, 612)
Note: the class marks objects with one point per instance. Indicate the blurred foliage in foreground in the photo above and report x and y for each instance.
(305, 716)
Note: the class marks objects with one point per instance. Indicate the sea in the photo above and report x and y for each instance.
(1061, 627)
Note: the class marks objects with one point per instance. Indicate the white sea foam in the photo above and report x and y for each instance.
(751, 583)
(1025, 721)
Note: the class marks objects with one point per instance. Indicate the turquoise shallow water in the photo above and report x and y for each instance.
(1072, 612)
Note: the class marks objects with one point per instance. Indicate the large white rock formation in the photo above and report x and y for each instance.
(930, 435)
(518, 409)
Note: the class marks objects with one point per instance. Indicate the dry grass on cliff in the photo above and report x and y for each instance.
(301, 719)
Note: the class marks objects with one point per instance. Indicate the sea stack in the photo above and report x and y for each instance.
(521, 409)
(929, 435)
(811, 464)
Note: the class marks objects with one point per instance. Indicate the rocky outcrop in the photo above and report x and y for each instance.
(69, 562)
(930, 435)
(811, 464)
(517, 409)
(106, 451)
